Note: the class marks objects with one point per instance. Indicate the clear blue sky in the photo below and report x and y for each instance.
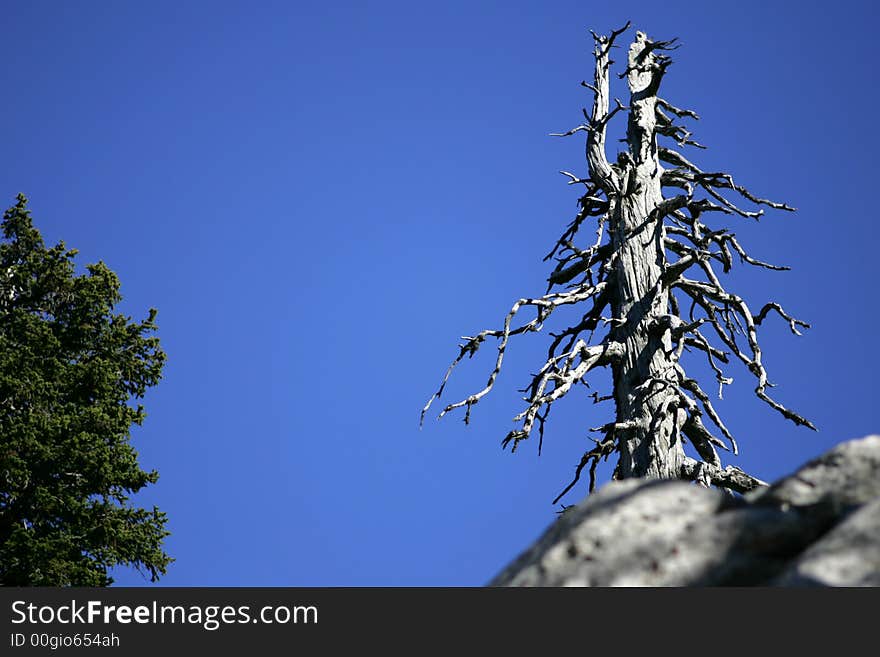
(320, 198)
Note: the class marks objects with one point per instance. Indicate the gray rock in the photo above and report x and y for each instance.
(844, 477)
(615, 537)
(819, 526)
(744, 546)
(849, 555)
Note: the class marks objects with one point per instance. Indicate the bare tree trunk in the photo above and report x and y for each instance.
(645, 377)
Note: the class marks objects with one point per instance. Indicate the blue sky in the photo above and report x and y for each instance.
(321, 198)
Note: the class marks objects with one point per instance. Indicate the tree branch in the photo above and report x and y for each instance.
(575, 365)
(730, 477)
(544, 306)
(600, 169)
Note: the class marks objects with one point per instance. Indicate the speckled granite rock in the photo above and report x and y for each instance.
(817, 527)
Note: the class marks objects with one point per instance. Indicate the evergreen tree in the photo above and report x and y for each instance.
(69, 369)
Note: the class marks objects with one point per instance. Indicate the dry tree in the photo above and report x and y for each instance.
(651, 263)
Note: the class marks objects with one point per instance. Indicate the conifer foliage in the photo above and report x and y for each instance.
(70, 369)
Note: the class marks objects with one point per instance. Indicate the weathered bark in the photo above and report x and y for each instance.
(644, 379)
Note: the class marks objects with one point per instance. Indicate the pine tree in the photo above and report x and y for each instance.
(69, 368)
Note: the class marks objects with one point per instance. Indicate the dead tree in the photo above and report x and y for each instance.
(649, 275)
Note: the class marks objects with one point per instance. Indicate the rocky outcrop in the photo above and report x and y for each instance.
(817, 527)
